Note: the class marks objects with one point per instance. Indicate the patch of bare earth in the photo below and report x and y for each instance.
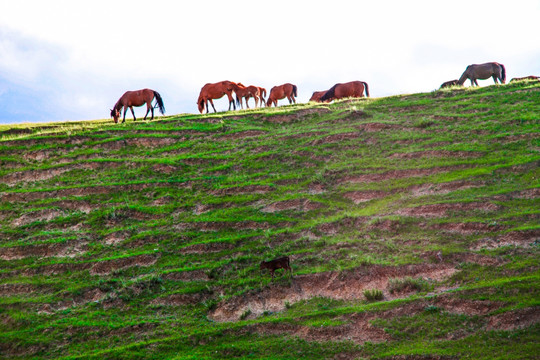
(395, 174)
(347, 285)
(437, 153)
(336, 138)
(362, 196)
(467, 228)
(466, 306)
(65, 249)
(108, 266)
(443, 188)
(206, 248)
(440, 210)
(249, 189)
(186, 276)
(242, 135)
(517, 319)
(296, 205)
(297, 115)
(40, 215)
(524, 238)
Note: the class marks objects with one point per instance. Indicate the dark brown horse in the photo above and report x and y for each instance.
(350, 89)
(279, 263)
(137, 98)
(483, 71)
(317, 96)
(449, 83)
(530, 77)
(246, 92)
(288, 91)
(215, 91)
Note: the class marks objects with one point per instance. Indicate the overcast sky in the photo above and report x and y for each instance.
(72, 60)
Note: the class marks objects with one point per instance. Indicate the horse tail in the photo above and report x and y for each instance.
(366, 88)
(329, 95)
(503, 73)
(295, 90)
(159, 102)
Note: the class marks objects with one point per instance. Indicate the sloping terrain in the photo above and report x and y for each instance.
(411, 223)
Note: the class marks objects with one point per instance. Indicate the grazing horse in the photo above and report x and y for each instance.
(279, 263)
(246, 92)
(483, 71)
(530, 77)
(280, 92)
(317, 96)
(350, 89)
(449, 83)
(215, 91)
(137, 98)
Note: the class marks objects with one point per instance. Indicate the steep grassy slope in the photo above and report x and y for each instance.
(411, 223)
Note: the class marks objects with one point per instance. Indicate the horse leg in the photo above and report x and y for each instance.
(247, 105)
(211, 103)
(124, 119)
(495, 79)
(133, 113)
(148, 107)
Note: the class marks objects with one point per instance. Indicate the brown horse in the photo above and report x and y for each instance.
(483, 71)
(137, 98)
(530, 77)
(280, 92)
(350, 89)
(448, 84)
(215, 91)
(246, 92)
(317, 96)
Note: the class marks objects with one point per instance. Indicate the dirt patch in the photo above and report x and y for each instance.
(336, 138)
(179, 299)
(348, 285)
(357, 329)
(7, 290)
(206, 248)
(294, 116)
(512, 320)
(514, 238)
(108, 266)
(437, 153)
(467, 228)
(395, 174)
(466, 306)
(443, 188)
(40, 215)
(303, 205)
(241, 135)
(250, 189)
(193, 275)
(442, 210)
(362, 196)
(377, 127)
(65, 249)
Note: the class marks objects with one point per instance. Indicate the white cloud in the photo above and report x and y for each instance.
(87, 55)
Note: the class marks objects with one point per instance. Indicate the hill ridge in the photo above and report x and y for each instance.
(409, 220)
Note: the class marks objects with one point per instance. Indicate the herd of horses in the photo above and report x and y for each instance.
(354, 89)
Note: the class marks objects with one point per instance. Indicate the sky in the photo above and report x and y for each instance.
(72, 60)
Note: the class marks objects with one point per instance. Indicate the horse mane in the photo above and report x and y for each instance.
(330, 93)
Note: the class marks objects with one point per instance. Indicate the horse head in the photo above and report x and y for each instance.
(115, 115)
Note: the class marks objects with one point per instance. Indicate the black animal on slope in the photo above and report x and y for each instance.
(279, 263)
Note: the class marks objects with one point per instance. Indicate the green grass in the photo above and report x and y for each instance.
(125, 241)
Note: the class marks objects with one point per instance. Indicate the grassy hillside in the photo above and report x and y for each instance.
(411, 223)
